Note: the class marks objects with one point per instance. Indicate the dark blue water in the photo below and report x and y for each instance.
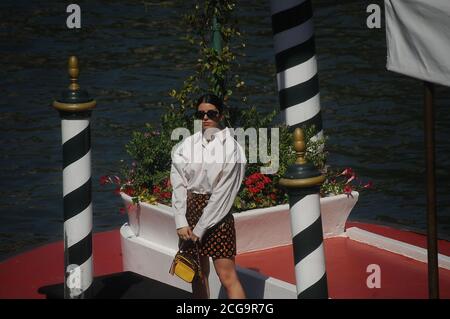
(132, 54)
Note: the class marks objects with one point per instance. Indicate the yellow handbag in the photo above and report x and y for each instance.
(185, 266)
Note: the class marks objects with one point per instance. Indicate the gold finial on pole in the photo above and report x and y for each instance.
(74, 99)
(301, 174)
(299, 146)
(74, 71)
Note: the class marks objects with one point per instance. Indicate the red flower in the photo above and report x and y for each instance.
(122, 210)
(104, 179)
(348, 172)
(348, 189)
(368, 185)
(115, 179)
(266, 179)
(254, 177)
(260, 185)
(156, 189)
(273, 196)
(117, 191)
(350, 179)
(127, 190)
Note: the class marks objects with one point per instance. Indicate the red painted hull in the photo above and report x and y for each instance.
(347, 262)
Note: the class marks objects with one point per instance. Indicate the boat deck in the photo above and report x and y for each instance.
(21, 276)
(347, 261)
(346, 264)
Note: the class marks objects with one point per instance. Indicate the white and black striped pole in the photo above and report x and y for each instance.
(75, 108)
(296, 64)
(302, 182)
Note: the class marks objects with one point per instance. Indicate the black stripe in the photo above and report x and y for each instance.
(76, 147)
(78, 200)
(81, 251)
(296, 55)
(75, 115)
(292, 17)
(319, 290)
(297, 194)
(305, 242)
(299, 93)
(316, 121)
(89, 292)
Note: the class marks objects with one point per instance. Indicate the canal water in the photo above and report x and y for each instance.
(132, 53)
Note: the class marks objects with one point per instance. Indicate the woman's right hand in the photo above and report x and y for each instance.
(184, 233)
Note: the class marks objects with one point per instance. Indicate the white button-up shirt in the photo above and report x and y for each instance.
(216, 167)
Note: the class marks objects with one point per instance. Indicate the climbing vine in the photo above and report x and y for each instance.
(217, 68)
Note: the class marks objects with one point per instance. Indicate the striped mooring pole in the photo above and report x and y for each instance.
(296, 64)
(302, 182)
(75, 108)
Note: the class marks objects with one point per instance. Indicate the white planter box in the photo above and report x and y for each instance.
(256, 229)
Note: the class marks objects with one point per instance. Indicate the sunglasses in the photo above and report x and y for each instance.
(211, 114)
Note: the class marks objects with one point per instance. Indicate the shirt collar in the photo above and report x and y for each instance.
(221, 135)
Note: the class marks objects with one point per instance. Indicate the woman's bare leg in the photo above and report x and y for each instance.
(226, 270)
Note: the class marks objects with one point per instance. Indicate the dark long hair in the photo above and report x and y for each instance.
(211, 99)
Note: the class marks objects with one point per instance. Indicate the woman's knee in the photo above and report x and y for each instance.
(227, 277)
(226, 273)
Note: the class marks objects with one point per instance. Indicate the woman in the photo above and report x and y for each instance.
(206, 174)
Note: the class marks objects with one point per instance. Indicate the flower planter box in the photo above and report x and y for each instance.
(256, 229)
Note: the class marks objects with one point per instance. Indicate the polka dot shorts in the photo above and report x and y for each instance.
(218, 241)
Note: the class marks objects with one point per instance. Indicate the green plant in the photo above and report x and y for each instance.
(217, 71)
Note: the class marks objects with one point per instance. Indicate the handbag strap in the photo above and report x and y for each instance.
(197, 255)
(198, 259)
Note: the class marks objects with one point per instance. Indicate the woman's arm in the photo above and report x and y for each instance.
(179, 189)
(224, 193)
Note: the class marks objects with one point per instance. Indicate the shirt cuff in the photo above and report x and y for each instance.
(180, 221)
(199, 231)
